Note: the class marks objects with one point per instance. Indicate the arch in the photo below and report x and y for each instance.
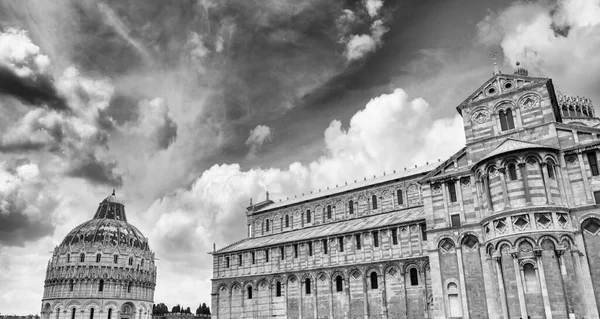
(338, 280)
(128, 308)
(520, 240)
(412, 275)
(548, 242)
(528, 94)
(441, 237)
(73, 304)
(82, 257)
(510, 159)
(91, 304)
(502, 243)
(112, 304)
(567, 241)
(470, 241)
(292, 279)
(374, 279)
(532, 156)
(503, 105)
(460, 238)
(235, 285)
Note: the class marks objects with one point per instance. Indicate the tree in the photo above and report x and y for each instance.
(176, 309)
(203, 310)
(187, 310)
(160, 309)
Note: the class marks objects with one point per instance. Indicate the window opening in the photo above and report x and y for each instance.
(73, 314)
(109, 313)
(116, 259)
(328, 211)
(400, 198)
(267, 225)
(82, 257)
(130, 261)
(351, 206)
(68, 258)
(129, 287)
(374, 283)
(282, 252)
(531, 283)
(71, 285)
(376, 238)
(339, 286)
(266, 255)
(423, 231)
(295, 250)
(240, 259)
(341, 243)
(593, 161)
(278, 289)
(357, 237)
(101, 285)
(226, 262)
(287, 221)
(512, 172)
(374, 200)
(98, 258)
(395, 236)
(253, 258)
(310, 249)
(325, 246)
(452, 191)
(92, 313)
(455, 220)
(249, 292)
(414, 277)
(307, 286)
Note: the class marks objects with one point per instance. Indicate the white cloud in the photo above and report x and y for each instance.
(360, 45)
(22, 56)
(391, 132)
(154, 124)
(258, 136)
(559, 41)
(373, 7)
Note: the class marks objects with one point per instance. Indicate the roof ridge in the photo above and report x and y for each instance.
(234, 243)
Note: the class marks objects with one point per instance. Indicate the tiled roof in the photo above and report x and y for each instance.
(510, 145)
(345, 188)
(332, 229)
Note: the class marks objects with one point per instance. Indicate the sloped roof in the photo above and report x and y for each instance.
(351, 186)
(511, 145)
(332, 229)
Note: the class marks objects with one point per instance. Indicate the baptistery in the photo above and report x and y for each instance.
(103, 269)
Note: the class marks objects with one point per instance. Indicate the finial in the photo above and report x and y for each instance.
(214, 247)
(496, 69)
(113, 192)
(250, 201)
(267, 195)
(520, 70)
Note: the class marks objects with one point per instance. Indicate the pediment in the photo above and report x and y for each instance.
(498, 85)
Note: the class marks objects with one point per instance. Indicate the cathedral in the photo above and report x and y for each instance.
(103, 269)
(507, 227)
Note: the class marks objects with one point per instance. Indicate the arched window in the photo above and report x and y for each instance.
(116, 259)
(287, 221)
(512, 172)
(249, 292)
(71, 284)
(278, 289)
(351, 206)
(506, 120)
(101, 285)
(267, 226)
(400, 197)
(531, 283)
(307, 286)
(339, 285)
(414, 277)
(328, 211)
(98, 258)
(453, 300)
(82, 257)
(73, 313)
(142, 263)
(550, 168)
(68, 258)
(129, 287)
(374, 200)
(109, 313)
(130, 261)
(126, 309)
(374, 283)
(308, 216)
(92, 313)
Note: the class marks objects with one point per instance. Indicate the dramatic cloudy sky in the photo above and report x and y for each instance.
(191, 107)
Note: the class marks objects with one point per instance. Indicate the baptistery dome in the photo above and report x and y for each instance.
(103, 269)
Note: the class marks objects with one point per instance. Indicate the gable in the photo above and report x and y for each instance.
(498, 85)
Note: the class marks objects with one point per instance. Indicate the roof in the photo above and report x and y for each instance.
(332, 229)
(345, 188)
(511, 145)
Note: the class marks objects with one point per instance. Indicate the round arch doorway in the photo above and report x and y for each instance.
(127, 311)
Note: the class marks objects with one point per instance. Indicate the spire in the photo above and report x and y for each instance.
(113, 193)
(267, 195)
(494, 58)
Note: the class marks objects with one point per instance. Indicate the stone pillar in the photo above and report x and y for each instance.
(315, 300)
(586, 182)
(347, 308)
(286, 297)
(582, 263)
(502, 171)
(546, 180)
(463, 283)
(498, 261)
(425, 267)
(486, 190)
(475, 184)
(384, 295)
(523, 169)
(490, 293)
(365, 297)
(301, 283)
(331, 281)
(519, 280)
(563, 277)
(543, 286)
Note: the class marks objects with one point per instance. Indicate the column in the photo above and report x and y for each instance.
(365, 297)
(463, 284)
(586, 182)
(286, 297)
(384, 295)
(542, 278)
(475, 184)
(314, 291)
(459, 197)
(425, 267)
(498, 261)
(523, 169)
(403, 274)
(486, 190)
(546, 180)
(582, 263)
(347, 308)
(301, 283)
(331, 281)
(255, 297)
(519, 280)
(490, 293)
(563, 277)
(502, 172)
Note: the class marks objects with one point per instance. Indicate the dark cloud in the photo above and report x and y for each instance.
(38, 90)
(167, 133)
(16, 228)
(96, 171)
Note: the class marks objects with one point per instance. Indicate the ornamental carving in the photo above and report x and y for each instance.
(530, 102)
(481, 116)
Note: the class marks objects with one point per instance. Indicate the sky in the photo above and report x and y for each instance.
(191, 108)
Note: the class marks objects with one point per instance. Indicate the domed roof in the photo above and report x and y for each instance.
(108, 226)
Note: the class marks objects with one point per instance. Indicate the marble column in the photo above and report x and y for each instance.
(524, 177)
(546, 180)
(543, 286)
(519, 280)
(463, 284)
(563, 277)
(498, 260)
(502, 172)
(584, 175)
